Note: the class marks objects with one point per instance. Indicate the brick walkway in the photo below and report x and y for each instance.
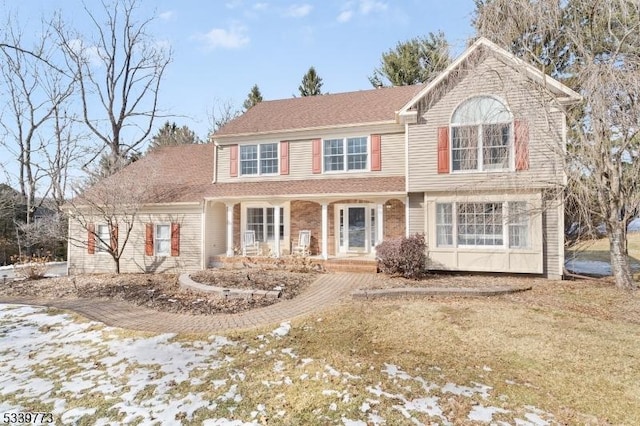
(327, 290)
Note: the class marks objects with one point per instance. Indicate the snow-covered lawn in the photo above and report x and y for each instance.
(86, 372)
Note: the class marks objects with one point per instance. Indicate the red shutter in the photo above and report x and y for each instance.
(443, 149)
(114, 238)
(148, 239)
(175, 239)
(376, 153)
(91, 238)
(521, 133)
(284, 158)
(316, 154)
(233, 160)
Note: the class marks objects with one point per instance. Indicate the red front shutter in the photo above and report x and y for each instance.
(521, 133)
(91, 238)
(443, 149)
(233, 160)
(148, 239)
(376, 153)
(175, 239)
(316, 154)
(284, 158)
(114, 238)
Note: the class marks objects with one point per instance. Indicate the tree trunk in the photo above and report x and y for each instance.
(620, 265)
(117, 262)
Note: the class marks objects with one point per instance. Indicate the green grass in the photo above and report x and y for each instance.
(599, 249)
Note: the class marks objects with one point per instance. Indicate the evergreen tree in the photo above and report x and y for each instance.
(414, 61)
(170, 134)
(311, 83)
(254, 97)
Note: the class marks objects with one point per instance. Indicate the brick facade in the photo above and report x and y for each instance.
(307, 215)
(394, 219)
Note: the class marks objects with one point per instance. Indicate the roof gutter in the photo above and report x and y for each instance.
(215, 162)
(305, 129)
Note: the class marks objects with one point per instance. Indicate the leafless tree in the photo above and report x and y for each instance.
(221, 113)
(593, 47)
(34, 93)
(119, 71)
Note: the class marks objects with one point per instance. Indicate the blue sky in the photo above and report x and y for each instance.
(221, 48)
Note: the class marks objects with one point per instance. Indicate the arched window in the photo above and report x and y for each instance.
(481, 135)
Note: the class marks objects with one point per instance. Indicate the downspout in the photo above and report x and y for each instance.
(69, 243)
(203, 233)
(406, 178)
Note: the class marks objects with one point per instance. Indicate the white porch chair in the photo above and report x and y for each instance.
(250, 247)
(304, 243)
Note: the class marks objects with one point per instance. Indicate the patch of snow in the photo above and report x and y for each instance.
(349, 422)
(376, 420)
(480, 413)
(283, 330)
(289, 351)
(480, 389)
(428, 406)
(591, 267)
(75, 414)
(333, 406)
(332, 371)
(365, 407)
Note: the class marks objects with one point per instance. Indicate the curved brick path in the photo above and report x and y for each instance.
(327, 290)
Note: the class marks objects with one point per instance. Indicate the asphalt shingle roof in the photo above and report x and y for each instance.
(310, 112)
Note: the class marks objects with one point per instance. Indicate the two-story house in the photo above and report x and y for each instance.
(473, 159)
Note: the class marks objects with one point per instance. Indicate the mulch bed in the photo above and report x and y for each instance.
(162, 292)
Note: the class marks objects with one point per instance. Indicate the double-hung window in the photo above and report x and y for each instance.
(486, 224)
(162, 242)
(345, 154)
(481, 135)
(261, 159)
(104, 238)
(261, 221)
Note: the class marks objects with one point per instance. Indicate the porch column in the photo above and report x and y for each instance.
(229, 229)
(379, 224)
(276, 231)
(325, 231)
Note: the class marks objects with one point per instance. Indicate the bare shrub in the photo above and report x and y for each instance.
(404, 256)
(31, 267)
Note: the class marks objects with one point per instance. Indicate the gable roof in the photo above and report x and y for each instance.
(321, 111)
(564, 93)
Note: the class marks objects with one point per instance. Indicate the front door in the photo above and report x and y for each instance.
(355, 228)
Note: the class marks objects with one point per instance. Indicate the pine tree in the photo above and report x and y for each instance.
(254, 97)
(171, 134)
(311, 83)
(414, 61)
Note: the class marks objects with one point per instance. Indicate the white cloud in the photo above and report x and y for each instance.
(166, 16)
(260, 6)
(345, 16)
(298, 10)
(233, 4)
(368, 6)
(234, 37)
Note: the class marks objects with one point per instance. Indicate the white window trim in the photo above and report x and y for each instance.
(480, 151)
(102, 247)
(155, 240)
(257, 145)
(283, 222)
(345, 155)
(505, 226)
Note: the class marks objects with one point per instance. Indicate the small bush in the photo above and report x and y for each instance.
(31, 267)
(404, 256)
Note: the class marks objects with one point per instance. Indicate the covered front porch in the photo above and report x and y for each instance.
(340, 226)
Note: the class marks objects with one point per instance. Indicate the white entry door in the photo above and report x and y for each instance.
(356, 225)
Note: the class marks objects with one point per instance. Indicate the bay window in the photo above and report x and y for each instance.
(483, 224)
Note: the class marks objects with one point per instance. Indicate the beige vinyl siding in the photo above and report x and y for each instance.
(215, 230)
(488, 259)
(552, 219)
(416, 213)
(133, 259)
(491, 77)
(300, 158)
